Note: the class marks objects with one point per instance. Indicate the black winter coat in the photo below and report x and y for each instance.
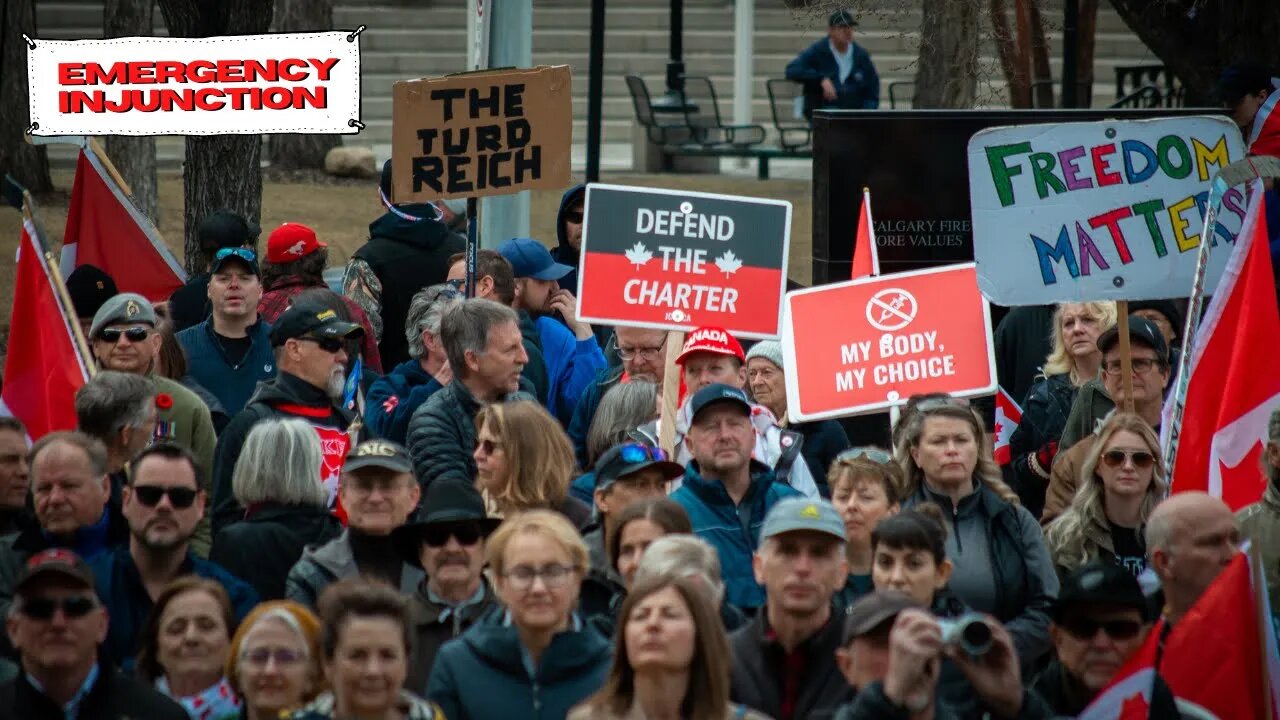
(434, 625)
(1044, 416)
(756, 682)
(113, 697)
(535, 370)
(263, 547)
(442, 435)
(823, 441)
(1067, 698)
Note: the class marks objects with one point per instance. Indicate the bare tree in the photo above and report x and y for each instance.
(292, 151)
(221, 171)
(1024, 53)
(947, 68)
(29, 164)
(133, 156)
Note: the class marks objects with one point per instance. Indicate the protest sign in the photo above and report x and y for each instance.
(246, 84)
(479, 134)
(678, 260)
(1106, 210)
(868, 344)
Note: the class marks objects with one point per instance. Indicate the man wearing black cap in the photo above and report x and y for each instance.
(1151, 372)
(310, 351)
(725, 492)
(408, 249)
(189, 304)
(90, 287)
(446, 540)
(1099, 620)
(230, 352)
(57, 624)
(836, 72)
(378, 494)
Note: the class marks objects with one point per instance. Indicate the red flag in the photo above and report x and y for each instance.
(1264, 134)
(105, 229)
(866, 259)
(1008, 415)
(43, 370)
(1234, 380)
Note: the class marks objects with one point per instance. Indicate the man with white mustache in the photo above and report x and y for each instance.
(310, 349)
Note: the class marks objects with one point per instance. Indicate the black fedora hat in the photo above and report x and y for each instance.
(447, 503)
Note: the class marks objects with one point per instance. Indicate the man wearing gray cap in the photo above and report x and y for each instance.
(123, 337)
(784, 661)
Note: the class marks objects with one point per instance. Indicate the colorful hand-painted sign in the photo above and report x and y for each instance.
(1108, 210)
(864, 345)
(678, 260)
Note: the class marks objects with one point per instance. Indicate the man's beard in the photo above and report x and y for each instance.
(336, 385)
(160, 546)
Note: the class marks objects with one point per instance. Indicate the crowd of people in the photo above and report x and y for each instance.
(404, 502)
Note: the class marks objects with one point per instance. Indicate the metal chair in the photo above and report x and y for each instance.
(793, 132)
(702, 114)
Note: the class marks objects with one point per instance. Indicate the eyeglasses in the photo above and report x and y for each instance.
(874, 454)
(136, 334)
(74, 606)
(243, 253)
(1141, 458)
(632, 453)
(1085, 628)
(259, 657)
(553, 576)
(647, 353)
(438, 535)
(1139, 365)
(180, 498)
(488, 446)
(574, 216)
(329, 345)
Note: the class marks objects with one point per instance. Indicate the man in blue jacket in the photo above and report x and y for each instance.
(836, 72)
(725, 492)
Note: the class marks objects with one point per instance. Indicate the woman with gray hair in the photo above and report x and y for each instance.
(623, 409)
(393, 398)
(692, 557)
(286, 508)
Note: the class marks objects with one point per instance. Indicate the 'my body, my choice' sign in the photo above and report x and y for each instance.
(1107, 210)
(677, 260)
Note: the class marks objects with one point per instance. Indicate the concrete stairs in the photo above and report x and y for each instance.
(408, 39)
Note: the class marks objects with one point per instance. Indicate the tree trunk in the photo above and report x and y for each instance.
(1087, 40)
(221, 171)
(1013, 56)
(947, 68)
(133, 156)
(293, 151)
(29, 164)
(1033, 34)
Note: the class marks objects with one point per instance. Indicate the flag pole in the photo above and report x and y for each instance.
(1126, 355)
(670, 394)
(65, 305)
(96, 148)
(1262, 616)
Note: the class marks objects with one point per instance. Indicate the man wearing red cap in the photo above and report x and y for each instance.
(712, 355)
(296, 260)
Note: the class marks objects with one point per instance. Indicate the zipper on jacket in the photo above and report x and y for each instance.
(955, 526)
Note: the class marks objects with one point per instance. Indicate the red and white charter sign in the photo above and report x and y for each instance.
(865, 345)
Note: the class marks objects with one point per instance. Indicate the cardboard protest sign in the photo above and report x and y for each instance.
(246, 84)
(678, 260)
(1107, 210)
(865, 345)
(478, 134)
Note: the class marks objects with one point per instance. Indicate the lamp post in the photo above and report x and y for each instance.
(673, 100)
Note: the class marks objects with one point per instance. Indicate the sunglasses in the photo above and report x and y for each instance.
(75, 606)
(438, 535)
(329, 345)
(1141, 459)
(243, 253)
(1085, 628)
(488, 446)
(874, 454)
(574, 216)
(135, 334)
(179, 498)
(632, 453)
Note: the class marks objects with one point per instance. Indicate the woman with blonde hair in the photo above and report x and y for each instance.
(1002, 566)
(1120, 483)
(672, 658)
(524, 461)
(1074, 360)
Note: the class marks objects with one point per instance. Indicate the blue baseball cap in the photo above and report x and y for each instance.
(531, 259)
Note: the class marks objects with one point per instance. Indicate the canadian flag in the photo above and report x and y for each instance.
(105, 229)
(43, 369)
(866, 258)
(1008, 415)
(1234, 380)
(1264, 134)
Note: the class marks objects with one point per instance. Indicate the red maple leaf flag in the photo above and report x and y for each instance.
(1008, 415)
(866, 259)
(42, 370)
(1234, 380)
(105, 229)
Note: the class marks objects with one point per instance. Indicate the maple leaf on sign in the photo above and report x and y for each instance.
(638, 254)
(728, 263)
